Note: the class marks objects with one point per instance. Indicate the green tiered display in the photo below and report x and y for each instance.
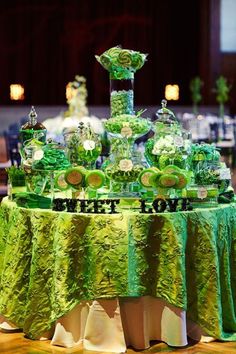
(175, 167)
(123, 125)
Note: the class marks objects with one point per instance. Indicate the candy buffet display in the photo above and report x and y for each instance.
(124, 124)
(172, 175)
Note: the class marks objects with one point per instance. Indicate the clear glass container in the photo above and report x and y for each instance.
(171, 145)
(165, 116)
(213, 172)
(203, 196)
(123, 169)
(36, 180)
(42, 165)
(32, 129)
(121, 96)
(83, 146)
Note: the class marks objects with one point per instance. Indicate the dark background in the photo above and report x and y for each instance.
(44, 44)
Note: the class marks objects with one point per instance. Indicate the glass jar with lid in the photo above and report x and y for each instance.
(171, 145)
(83, 146)
(32, 129)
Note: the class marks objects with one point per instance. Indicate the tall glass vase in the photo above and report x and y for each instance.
(121, 95)
(124, 125)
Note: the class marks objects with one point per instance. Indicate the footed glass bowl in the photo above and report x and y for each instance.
(127, 126)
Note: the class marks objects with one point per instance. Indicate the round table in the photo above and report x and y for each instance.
(167, 264)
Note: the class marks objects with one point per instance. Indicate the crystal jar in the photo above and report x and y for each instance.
(203, 196)
(121, 95)
(213, 172)
(83, 146)
(171, 145)
(32, 129)
(121, 65)
(123, 169)
(41, 166)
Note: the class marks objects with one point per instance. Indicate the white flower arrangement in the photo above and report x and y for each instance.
(125, 165)
(164, 145)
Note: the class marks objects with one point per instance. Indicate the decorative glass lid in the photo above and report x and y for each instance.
(165, 115)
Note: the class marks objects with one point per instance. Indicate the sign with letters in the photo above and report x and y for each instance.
(109, 206)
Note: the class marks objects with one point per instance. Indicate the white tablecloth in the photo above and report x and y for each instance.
(113, 325)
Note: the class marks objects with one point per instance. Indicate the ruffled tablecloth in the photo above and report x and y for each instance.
(50, 262)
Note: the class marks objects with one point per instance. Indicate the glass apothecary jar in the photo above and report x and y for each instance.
(213, 172)
(32, 129)
(41, 164)
(171, 145)
(83, 146)
(123, 169)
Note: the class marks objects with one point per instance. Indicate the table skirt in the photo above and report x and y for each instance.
(115, 324)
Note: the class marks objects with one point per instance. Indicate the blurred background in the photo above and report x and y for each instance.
(45, 43)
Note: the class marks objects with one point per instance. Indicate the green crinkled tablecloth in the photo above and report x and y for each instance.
(50, 261)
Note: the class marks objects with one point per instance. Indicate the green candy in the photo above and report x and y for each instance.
(138, 60)
(114, 173)
(168, 180)
(95, 179)
(138, 126)
(121, 63)
(105, 61)
(60, 181)
(113, 52)
(124, 58)
(53, 159)
(122, 102)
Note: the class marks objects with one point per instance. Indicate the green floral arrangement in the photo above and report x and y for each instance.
(195, 87)
(121, 63)
(77, 97)
(222, 90)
